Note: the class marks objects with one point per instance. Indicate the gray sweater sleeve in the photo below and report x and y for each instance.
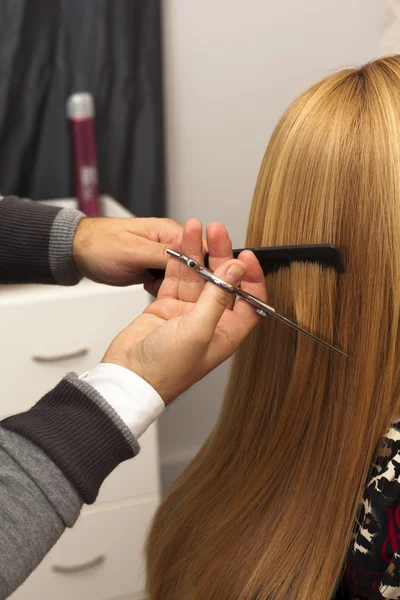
(37, 502)
(55, 456)
(36, 242)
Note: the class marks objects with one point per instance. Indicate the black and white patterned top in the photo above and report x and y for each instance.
(373, 569)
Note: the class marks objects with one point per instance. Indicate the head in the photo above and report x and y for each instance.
(267, 508)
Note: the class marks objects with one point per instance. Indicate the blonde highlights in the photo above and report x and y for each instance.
(267, 508)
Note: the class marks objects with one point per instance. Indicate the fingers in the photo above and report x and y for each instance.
(213, 301)
(170, 286)
(180, 281)
(167, 229)
(150, 241)
(254, 283)
(147, 254)
(219, 248)
(190, 282)
(219, 245)
(236, 325)
(163, 231)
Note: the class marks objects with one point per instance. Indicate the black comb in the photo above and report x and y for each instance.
(274, 258)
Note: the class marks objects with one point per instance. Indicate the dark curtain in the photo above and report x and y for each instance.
(111, 48)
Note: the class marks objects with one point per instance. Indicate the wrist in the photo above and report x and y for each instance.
(81, 245)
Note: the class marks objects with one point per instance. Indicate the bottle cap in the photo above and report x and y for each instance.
(80, 106)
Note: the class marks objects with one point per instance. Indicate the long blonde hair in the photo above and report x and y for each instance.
(267, 508)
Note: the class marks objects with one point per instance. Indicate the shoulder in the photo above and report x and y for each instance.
(386, 465)
(381, 497)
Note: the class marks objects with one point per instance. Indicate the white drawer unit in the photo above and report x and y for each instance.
(48, 331)
(100, 558)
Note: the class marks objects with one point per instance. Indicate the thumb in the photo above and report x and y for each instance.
(213, 300)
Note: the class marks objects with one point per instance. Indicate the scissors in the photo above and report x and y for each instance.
(261, 307)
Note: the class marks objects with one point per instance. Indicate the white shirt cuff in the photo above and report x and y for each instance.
(132, 398)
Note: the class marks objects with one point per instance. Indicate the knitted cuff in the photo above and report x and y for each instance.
(60, 247)
(36, 242)
(79, 431)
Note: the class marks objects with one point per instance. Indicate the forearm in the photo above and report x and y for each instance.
(36, 242)
(53, 458)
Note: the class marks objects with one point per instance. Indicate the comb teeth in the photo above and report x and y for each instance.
(277, 257)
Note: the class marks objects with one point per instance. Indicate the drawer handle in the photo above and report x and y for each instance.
(58, 357)
(99, 560)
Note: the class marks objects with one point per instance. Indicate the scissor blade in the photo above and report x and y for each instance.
(265, 310)
(173, 253)
(298, 328)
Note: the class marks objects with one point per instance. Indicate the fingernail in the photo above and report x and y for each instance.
(235, 272)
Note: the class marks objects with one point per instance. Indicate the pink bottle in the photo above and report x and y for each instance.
(80, 111)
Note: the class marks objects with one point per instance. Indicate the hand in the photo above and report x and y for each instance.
(193, 326)
(119, 251)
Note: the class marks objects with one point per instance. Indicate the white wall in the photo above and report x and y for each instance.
(230, 69)
(391, 28)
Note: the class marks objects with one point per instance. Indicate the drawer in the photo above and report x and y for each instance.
(136, 477)
(46, 335)
(100, 558)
